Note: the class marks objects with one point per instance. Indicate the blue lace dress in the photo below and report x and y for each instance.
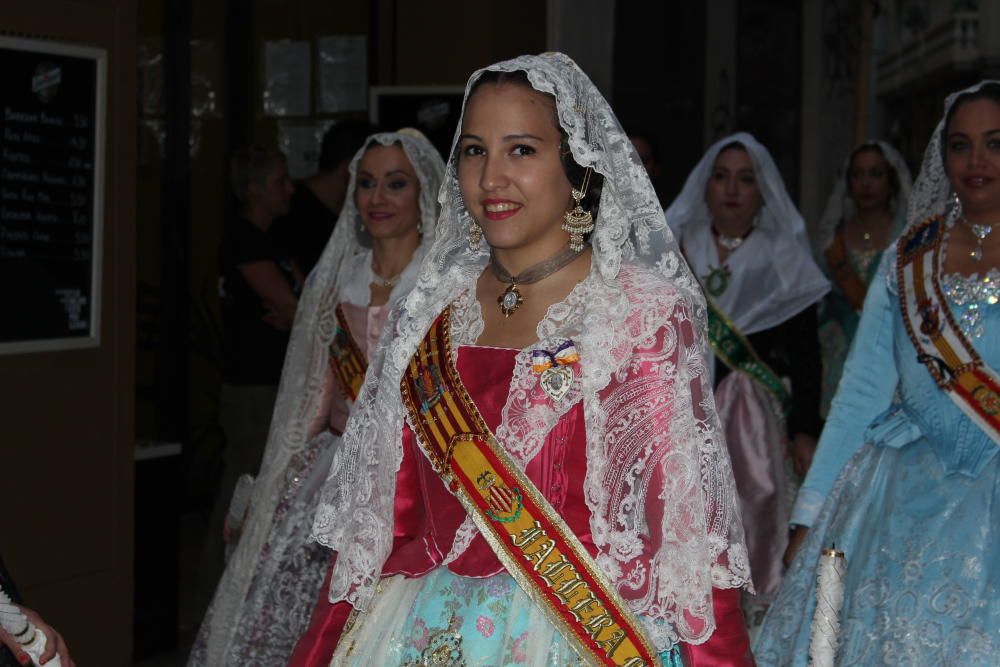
(909, 488)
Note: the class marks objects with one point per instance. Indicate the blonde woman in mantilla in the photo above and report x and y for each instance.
(263, 601)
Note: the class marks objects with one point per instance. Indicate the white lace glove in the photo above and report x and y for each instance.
(239, 503)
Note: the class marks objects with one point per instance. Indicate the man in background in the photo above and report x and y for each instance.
(318, 199)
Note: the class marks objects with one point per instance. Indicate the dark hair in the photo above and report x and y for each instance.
(574, 171)
(872, 147)
(732, 145)
(989, 91)
(375, 143)
(654, 147)
(251, 165)
(340, 142)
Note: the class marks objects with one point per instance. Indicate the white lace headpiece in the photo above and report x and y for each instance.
(931, 192)
(306, 362)
(840, 206)
(639, 297)
(773, 275)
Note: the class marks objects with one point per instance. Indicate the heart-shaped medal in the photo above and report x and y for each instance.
(556, 381)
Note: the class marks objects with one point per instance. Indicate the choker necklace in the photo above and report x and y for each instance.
(511, 299)
(980, 232)
(731, 243)
(386, 282)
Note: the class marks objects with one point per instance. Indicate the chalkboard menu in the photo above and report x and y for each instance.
(52, 105)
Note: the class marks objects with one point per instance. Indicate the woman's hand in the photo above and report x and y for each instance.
(281, 320)
(7, 640)
(799, 535)
(54, 643)
(802, 448)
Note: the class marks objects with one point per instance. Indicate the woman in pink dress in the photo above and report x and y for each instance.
(262, 603)
(534, 473)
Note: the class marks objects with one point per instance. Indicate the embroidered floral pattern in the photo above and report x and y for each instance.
(485, 626)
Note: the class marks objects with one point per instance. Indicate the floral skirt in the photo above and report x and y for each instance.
(922, 546)
(445, 619)
(262, 629)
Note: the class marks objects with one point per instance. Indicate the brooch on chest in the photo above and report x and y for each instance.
(554, 368)
(717, 280)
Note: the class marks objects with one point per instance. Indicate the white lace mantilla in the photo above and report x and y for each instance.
(271, 555)
(639, 323)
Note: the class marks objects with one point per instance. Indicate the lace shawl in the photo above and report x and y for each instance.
(638, 318)
(301, 392)
(840, 206)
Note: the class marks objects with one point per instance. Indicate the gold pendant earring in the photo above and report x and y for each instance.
(577, 221)
(475, 235)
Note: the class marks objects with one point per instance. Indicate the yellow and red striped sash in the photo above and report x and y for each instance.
(847, 279)
(941, 345)
(348, 362)
(528, 536)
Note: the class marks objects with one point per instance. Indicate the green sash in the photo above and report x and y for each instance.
(736, 352)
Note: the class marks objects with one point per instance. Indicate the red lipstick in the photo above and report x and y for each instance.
(500, 209)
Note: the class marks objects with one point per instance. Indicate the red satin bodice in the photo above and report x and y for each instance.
(427, 517)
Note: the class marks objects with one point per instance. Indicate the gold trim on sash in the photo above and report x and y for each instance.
(348, 362)
(850, 283)
(527, 535)
(941, 345)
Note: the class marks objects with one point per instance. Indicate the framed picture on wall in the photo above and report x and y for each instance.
(52, 142)
(434, 110)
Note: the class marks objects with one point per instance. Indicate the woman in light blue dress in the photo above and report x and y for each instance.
(904, 481)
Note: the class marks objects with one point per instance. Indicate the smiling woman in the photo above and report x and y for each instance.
(387, 197)
(972, 160)
(907, 472)
(263, 601)
(542, 482)
(513, 179)
(509, 168)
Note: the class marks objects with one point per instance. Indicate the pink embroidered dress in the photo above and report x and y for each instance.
(632, 456)
(427, 599)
